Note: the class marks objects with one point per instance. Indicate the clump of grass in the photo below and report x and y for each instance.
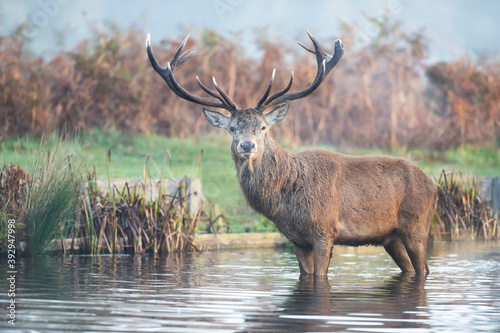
(462, 211)
(52, 193)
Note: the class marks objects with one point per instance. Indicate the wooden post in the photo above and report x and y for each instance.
(495, 194)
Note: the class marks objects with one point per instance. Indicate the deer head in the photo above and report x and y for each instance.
(248, 127)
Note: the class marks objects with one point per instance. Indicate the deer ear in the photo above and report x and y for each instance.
(278, 114)
(216, 119)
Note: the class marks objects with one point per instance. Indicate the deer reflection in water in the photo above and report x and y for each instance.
(317, 306)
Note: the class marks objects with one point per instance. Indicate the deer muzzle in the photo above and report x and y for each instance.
(247, 148)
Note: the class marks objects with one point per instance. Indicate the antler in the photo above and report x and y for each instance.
(221, 99)
(325, 62)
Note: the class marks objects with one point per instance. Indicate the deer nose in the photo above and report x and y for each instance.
(247, 146)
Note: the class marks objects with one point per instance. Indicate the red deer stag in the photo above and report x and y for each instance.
(318, 198)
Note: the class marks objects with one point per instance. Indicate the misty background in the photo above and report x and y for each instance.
(418, 74)
(454, 28)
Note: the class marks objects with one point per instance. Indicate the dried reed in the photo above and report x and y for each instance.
(124, 222)
(462, 211)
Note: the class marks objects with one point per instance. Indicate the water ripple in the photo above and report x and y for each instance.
(258, 291)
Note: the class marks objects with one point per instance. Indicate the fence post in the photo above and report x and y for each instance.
(495, 194)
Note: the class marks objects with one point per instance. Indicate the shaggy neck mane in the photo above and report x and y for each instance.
(266, 179)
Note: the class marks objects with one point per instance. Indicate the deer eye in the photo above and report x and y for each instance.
(263, 128)
(231, 129)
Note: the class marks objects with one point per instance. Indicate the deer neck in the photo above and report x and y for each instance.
(264, 179)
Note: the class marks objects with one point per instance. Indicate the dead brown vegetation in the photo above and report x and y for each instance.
(13, 181)
(463, 210)
(383, 95)
(125, 222)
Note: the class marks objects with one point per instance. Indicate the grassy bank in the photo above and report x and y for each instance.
(128, 156)
(50, 188)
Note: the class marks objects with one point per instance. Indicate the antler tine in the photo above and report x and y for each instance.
(163, 71)
(177, 54)
(224, 96)
(185, 56)
(317, 48)
(207, 89)
(312, 51)
(212, 92)
(181, 92)
(268, 90)
(160, 70)
(325, 64)
(167, 73)
(332, 60)
(306, 48)
(337, 55)
(282, 91)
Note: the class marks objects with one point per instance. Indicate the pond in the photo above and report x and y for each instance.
(258, 290)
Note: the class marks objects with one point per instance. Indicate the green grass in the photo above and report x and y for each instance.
(479, 161)
(128, 156)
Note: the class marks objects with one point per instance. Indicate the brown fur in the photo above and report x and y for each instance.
(318, 198)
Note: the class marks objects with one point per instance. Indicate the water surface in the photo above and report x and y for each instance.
(258, 291)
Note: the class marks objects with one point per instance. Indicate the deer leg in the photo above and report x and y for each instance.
(322, 249)
(397, 251)
(305, 259)
(416, 251)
